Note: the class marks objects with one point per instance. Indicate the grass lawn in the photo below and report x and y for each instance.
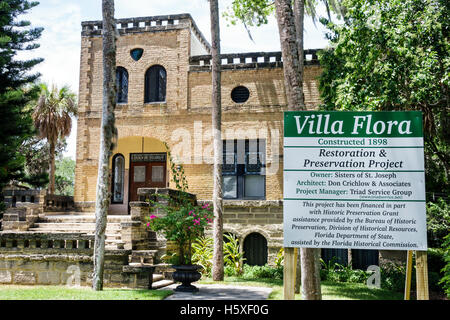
(15, 292)
(330, 290)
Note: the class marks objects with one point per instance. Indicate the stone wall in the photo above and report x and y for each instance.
(21, 217)
(14, 196)
(244, 217)
(61, 259)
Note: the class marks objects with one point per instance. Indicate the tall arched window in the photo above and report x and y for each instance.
(118, 178)
(155, 84)
(122, 85)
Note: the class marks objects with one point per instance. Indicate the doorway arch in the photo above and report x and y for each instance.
(255, 249)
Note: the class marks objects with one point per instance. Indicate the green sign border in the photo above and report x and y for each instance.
(347, 118)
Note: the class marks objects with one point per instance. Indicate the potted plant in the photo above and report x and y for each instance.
(183, 222)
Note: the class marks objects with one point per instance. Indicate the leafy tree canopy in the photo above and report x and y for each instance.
(65, 176)
(37, 160)
(15, 118)
(257, 12)
(394, 55)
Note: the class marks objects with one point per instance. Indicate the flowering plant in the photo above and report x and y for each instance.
(183, 224)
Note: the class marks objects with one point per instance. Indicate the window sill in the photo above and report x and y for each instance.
(156, 103)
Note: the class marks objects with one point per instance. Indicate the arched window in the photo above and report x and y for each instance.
(255, 249)
(122, 85)
(155, 84)
(118, 178)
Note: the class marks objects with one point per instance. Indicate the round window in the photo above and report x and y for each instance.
(240, 94)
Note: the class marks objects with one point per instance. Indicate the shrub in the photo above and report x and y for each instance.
(261, 272)
(438, 222)
(232, 256)
(393, 277)
(202, 254)
(230, 271)
(445, 281)
(335, 272)
(436, 264)
(279, 260)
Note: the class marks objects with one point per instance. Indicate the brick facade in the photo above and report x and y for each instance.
(183, 121)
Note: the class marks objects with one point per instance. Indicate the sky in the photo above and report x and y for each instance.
(61, 39)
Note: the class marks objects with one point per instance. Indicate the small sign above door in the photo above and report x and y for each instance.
(148, 157)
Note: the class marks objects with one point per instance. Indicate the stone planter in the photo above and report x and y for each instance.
(186, 274)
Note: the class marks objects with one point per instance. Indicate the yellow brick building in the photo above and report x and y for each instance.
(164, 84)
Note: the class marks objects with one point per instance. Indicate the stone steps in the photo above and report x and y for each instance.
(161, 284)
(81, 222)
(80, 218)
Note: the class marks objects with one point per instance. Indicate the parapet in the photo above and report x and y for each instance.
(249, 60)
(147, 24)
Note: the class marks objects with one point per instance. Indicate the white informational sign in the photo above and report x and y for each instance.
(354, 180)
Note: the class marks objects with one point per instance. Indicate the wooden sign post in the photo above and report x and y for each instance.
(422, 275)
(290, 264)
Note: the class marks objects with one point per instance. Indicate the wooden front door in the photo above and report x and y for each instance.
(147, 170)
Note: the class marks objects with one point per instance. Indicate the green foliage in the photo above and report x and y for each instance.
(335, 272)
(37, 160)
(15, 92)
(436, 266)
(279, 260)
(202, 254)
(438, 222)
(232, 256)
(393, 277)
(394, 55)
(445, 281)
(256, 12)
(249, 12)
(65, 176)
(183, 223)
(178, 175)
(171, 258)
(262, 272)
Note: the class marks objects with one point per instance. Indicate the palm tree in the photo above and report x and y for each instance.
(218, 262)
(52, 118)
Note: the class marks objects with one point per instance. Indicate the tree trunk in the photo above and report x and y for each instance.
(299, 10)
(290, 27)
(310, 274)
(218, 263)
(299, 14)
(298, 272)
(107, 132)
(51, 186)
(349, 258)
(289, 49)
